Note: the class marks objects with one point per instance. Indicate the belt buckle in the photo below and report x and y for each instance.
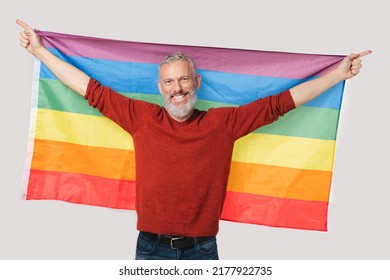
(174, 239)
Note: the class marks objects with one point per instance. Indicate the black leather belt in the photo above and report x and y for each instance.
(176, 242)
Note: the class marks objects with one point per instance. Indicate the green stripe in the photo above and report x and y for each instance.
(308, 122)
(319, 123)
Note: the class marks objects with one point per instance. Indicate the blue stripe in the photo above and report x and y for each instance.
(216, 86)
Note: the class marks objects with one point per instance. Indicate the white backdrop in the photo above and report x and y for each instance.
(359, 209)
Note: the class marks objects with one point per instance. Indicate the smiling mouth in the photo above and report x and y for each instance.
(179, 97)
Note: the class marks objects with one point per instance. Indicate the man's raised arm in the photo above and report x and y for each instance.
(71, 76)
(348, 68)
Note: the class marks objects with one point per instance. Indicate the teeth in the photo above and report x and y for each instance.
(178, 96)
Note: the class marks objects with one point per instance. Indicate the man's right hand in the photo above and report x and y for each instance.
(28, 38)
(68, 74)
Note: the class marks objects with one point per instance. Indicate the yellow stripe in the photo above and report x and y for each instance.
(287, 151)
(81, 129)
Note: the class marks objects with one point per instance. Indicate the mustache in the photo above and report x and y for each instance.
(179, 111)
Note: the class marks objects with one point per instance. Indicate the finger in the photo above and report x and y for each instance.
(356, 67)
(24, 25)
(24, 44)
(364, 53)
(352, 56)
(355, 71)
(24, 35)
(24, 41)
(356, 61)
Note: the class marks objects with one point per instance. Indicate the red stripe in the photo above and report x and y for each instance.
(120, 194)
(93, 190)
(275, 212)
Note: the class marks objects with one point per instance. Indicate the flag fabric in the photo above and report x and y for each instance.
(280, 174)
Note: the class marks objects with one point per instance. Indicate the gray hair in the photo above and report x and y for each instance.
(175, 56)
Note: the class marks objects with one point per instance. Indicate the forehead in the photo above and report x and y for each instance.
(177, 68)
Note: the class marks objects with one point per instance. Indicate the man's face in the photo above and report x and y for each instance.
(177, 84)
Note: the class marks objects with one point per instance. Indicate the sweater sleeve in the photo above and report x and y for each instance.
(244, 119)
(126, 112)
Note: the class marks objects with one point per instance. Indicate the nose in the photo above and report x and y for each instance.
(177, 86)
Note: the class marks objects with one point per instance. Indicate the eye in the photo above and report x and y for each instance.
(185, 79)
(168, 82)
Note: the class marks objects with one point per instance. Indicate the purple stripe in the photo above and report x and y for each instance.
(251, 62)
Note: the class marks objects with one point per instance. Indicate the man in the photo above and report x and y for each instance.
(183, 155)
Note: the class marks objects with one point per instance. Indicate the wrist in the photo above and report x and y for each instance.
(39, 52)
(334, 77)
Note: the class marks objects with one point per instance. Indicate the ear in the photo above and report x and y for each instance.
(198, 81)
(159, 86)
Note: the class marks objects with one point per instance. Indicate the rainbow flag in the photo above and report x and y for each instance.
(280, 174)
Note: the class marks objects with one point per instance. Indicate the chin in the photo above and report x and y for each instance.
(180, 110)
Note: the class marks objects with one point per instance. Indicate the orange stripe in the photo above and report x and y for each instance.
(73, 158)
(120, 164)
(280, 181)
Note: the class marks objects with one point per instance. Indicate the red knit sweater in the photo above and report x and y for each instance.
(182, 168)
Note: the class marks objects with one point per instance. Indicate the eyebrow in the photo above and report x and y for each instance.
(170, 79)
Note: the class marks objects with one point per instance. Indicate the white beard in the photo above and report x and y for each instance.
(182, 110)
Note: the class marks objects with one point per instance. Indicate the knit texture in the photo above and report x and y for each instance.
(182, 168)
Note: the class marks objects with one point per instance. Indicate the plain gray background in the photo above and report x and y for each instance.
(359, 209)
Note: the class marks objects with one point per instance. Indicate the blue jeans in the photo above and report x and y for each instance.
(148, 249)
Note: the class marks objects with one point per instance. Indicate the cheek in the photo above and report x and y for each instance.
(165, 91)
(190, 88)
